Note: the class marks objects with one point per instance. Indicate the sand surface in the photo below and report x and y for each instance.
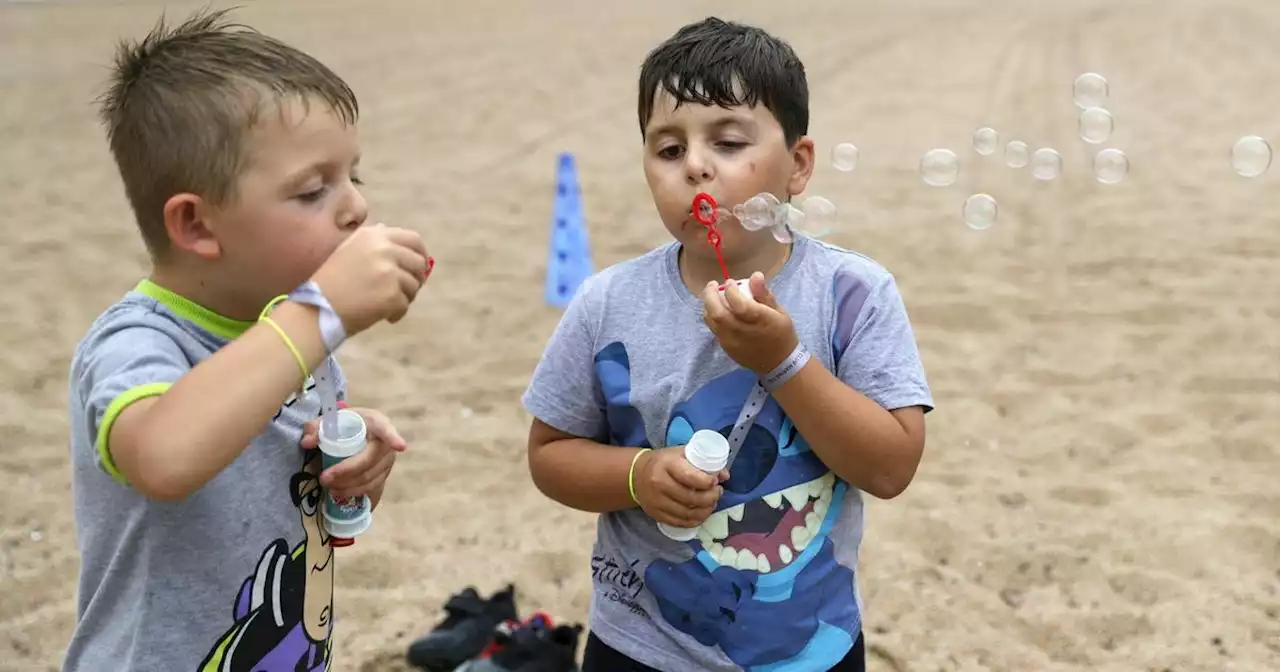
(1101, 489)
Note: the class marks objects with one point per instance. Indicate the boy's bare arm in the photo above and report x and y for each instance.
(580, 473)
(876, 450)
(169, 446)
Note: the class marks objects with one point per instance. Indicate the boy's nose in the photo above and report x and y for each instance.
(356, 212)
(698, 168)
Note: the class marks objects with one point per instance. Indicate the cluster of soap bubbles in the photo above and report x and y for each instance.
(816, 216)
(940, 167)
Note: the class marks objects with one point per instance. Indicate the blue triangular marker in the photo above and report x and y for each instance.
(569, 259)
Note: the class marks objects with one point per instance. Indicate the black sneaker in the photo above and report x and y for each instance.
(469, 622)
(537, 646)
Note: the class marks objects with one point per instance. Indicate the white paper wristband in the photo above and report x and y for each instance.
(788, 368)
(331, 329)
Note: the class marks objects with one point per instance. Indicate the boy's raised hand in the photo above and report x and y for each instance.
(374, 275)
(674, 492)
(757, 334)
(365, 473)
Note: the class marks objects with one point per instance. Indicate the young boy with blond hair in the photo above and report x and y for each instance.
(196, 483)
(816, 384)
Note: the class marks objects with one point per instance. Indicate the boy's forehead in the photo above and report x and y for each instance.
(669, 113)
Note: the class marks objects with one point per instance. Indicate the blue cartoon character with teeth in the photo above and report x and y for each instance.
(763, 561)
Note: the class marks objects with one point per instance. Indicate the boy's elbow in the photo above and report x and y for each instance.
(894, 480)
(160, 482)
(888, 486)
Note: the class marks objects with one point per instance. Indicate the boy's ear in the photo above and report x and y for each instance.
(185, 220)
(802, 156)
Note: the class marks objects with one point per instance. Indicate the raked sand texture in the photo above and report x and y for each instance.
(1101, 488)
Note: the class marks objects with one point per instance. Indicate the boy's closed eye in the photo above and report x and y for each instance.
(318, 193)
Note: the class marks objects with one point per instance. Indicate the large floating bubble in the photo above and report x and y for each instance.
(819, 216)
(844, 157)
(1110, 166)
(980, 211)
(1251, 156)
(1096, 125)
(985, 141)
(1017, 154)
(1046, 164)
(939, 167)
(1090, 90)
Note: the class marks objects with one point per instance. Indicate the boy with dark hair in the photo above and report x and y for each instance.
(820, 401)
(196, 485)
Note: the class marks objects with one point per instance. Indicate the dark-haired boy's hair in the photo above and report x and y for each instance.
(182, 101)
(717, 62)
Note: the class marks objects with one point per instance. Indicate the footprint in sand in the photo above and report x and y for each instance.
(1140, 589)
(1085, 496)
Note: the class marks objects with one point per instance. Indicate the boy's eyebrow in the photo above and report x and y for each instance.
(727, 119)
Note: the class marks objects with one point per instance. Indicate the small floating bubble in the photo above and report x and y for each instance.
(1251, 156)
(1090, 90)
(980, 211)
(1017, 154)
(1110, 166)
(1096, 125)
(1046, 164)
(985, 140)
(844, 157)
(939, 167)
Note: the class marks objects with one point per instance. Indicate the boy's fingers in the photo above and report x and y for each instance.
(345, 470)
(310, 435)
(713, 306)
(692, 477)
(363, 481)
(380, 427)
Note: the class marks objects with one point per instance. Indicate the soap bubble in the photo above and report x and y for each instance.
(819, 216)
(758, 212)
(939, 167)
(985, 140)
(1090, 90)
(1017, 154)
(980, 211)
(1096, 125)
(1110, 166)
(1251, 156)
(844, 157)
(1046, 164)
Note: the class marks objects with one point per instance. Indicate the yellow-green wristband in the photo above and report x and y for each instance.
(631, 475)
(297, 354)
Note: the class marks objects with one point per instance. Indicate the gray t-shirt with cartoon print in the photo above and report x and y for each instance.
(769, 583)
(237, 576)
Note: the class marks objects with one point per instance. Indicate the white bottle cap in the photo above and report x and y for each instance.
(707, 450)
(350, 439)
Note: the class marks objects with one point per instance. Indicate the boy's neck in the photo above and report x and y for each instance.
(697, 272)
(191, 286)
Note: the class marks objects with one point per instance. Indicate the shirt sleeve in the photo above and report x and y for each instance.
(874, 345)
(119, 366)
(564, 391)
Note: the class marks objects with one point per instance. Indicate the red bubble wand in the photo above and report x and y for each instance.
(705, 211)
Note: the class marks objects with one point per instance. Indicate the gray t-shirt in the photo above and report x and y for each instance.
(237, 576)
(769, 583)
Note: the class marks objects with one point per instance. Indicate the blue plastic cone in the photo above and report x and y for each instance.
(569, 260)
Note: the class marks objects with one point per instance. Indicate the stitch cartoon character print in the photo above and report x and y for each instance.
(763, 562)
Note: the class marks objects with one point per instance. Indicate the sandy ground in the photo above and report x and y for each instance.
(1100, 488)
